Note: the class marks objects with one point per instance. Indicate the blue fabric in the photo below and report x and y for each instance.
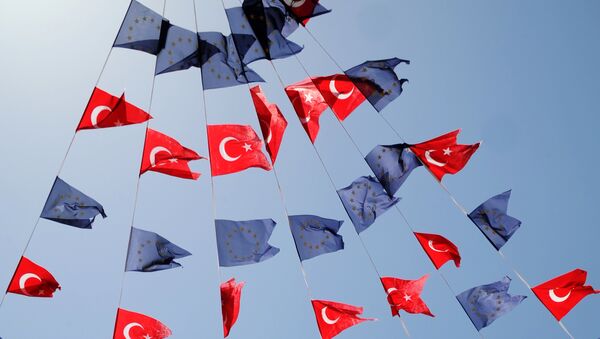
(364, 200)
(181, 51)
(314, 235)
(377, 81)
(491, 218)
(269, 27)
(486, 303)
(69, 206)
(149, 252)
(142, 29)
(392, 164)
(244, 242)
(220, 63)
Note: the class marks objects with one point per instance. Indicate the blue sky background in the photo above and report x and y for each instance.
(522, 76)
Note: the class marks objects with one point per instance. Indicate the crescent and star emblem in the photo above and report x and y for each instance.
(96, 112)
(24, 279)
(336, 93)
(430, 243)
(223, 152)
(295, 3)
(155, 151)
(556, 298)
(268, 141)
(433, 161)
(128, 328)
(326, 318)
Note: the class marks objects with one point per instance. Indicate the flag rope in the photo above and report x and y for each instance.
(444, 187)
(137, 185)
(62, 163)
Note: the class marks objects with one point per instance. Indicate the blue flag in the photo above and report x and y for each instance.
(69, 206)
(180, 52)
(269, 27)
(377, 81)
(392, 164)
(244, 242)
(221, 65)
(142, 29)
(364, 200)
(149, 252)
(486, 303)
(492, 220)
(314, 235)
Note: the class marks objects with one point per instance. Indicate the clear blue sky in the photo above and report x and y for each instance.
(522, 76)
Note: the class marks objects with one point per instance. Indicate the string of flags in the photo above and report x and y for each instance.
(260, 30)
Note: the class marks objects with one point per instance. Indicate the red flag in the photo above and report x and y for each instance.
(333, 318)
(340, 93)
(562, 293)
(443, 155)
(105, 110)
(309, 104)
(439, 249)
(406, 295)
(166, 155)
(231, 294)
(32, 280)
(272, 122)
(303, 9)
(131, 325)
(234, 148)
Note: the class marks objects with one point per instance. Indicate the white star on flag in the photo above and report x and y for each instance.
(247, 147)
(447, 151)
(407, 297)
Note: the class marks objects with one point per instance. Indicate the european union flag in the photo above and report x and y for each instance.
(142, 29)
(486, 303)
(244, 242)
(377, 81)
(392, 164)
(492, 220)
(221, 65)
(69, 206)
(149, 252)
(314, 235)
(180, 52)
(268, 25)
(364, 200)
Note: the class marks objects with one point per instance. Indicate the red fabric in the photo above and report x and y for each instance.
(405, 295)
(272, 122)
(333, 317)
(234, 148)
(131, 325)
(443, 155)
(105, 110)
(439, 249)
(32, 280)
(562, 293)
(166, 155)
(302, 9)
(231, 294)
(309, 104)
(340, 93)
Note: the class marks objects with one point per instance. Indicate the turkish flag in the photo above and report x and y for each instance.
(231, 294)
(132, 325)
(302, 9)
(272, 122)
(105, 110)
(166, 155)
(32, 280)
(234, 148)
(439, 249)
(309, 104)
(340, 93)
(405, 295)
(443, 155)
(562, 293)
(333, 317)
